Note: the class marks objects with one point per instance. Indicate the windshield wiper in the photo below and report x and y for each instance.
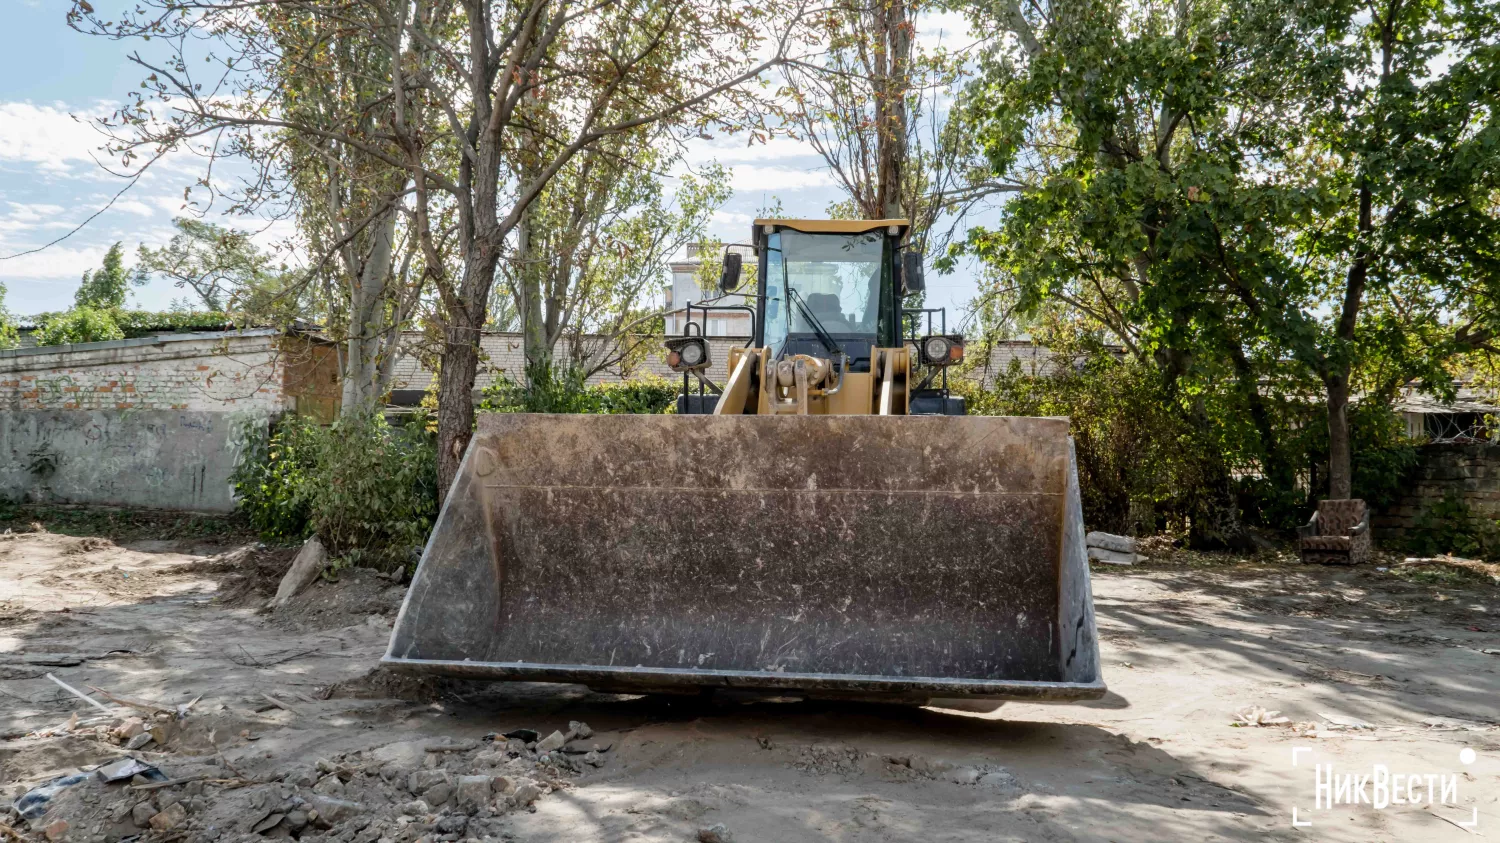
(822, 334)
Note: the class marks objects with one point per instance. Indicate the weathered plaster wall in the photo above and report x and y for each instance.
(150, 422)
(161, 459)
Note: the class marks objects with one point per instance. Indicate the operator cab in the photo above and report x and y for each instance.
(829, 290)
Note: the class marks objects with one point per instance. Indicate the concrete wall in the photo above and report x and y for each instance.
(1473, 471)
(146, 422)
(159, 459)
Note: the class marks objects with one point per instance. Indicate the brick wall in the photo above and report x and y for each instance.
(207, 372)
(1473, 471)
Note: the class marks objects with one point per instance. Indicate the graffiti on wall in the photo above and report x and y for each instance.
(160, 459)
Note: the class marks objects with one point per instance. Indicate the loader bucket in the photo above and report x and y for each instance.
(897, 559)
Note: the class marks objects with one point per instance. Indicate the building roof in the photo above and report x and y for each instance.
(834, 226)
(1466, 399)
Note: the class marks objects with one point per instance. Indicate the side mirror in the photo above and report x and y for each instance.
(729, 281)
(911, 273)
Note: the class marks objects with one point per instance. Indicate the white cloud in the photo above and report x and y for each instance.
(135, 206)
(750, 177)
(49, 137)
(60, 261)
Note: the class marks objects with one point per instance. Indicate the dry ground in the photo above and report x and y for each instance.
(1185, 646)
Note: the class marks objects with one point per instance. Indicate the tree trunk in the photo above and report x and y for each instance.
(1336, 378)
(1340, 473)
(367, 322)
(893, 53)
(535, 347)
(460, 365)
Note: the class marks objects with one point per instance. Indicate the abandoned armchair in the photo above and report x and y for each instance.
(1338, 533)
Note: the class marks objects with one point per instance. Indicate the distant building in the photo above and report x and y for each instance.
(685, 290)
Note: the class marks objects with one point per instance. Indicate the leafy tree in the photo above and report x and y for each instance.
(9, 337)
(105, 288)
(1249, 192)
(220, 265)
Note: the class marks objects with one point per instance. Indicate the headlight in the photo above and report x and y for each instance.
(941, 350)
(935, 348)
(684, 354)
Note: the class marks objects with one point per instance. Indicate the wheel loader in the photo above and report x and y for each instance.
(827, 522)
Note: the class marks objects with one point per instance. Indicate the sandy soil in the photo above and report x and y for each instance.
(290, 714)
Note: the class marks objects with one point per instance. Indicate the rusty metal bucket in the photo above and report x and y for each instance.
(862, 557)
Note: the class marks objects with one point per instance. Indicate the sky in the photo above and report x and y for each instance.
(51, 178)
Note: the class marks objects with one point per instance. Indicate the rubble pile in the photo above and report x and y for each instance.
(407, 792)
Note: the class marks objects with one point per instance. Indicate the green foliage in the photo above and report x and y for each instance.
(1384, 457)
(105, 288)
(9, 337)
(1135, 456)
(374, 496)
(1448, 526)
(220, 265)
(1251, 193)
(366, 489)
(273, 482)
(144, 323)
(567, 391)
(81, 324)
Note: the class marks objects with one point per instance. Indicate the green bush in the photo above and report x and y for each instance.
(374, 493)
(273, 483)
(1449, 526)
(547, 390)
(1133, 454)
(366, 489)
(81, 324)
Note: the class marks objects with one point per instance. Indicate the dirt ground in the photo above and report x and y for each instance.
(285, 728)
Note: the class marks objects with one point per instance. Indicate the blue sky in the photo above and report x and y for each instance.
(57, 79)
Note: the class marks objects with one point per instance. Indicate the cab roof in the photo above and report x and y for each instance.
(832, 226)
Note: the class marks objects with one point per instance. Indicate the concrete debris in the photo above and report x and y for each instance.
(265, 825)
(168, 818)
(130, 728)
(526, 793)
(331, 811)
(579, 729)
(416, 808)
(1109, 541)
(305, 569)
(142, 813)
(139, 741)
(472, 792)
(551, 742)
(593, 759)
(1113, 557)
(1112, 549)
(329, 785)
(717, 833)
(964, 775)
(56, 830)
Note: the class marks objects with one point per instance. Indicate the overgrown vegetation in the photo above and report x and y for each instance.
(367, 489)
(1449, 526)
(1144, 466)
(553, 390)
